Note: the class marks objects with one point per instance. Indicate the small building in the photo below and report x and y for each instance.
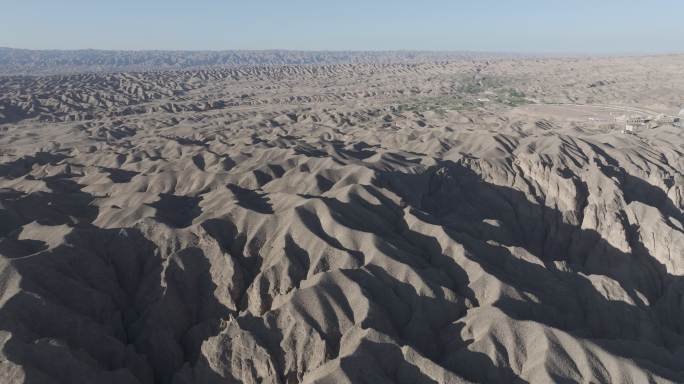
(638, 120)
(674, 121)
(668, 119)
(636, 123)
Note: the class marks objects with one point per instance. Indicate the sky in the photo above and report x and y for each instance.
(524, 26)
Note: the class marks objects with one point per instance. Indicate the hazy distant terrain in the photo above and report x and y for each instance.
(42, 62)
(359, 218)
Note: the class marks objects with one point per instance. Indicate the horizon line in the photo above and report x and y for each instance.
(402, 50)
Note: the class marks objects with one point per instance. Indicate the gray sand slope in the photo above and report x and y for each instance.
(452, 222)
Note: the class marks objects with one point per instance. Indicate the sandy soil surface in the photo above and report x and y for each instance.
(447, 222)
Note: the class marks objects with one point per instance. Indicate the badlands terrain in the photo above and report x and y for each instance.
(33, 62)
(447, 221)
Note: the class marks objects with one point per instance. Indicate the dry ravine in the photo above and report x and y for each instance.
(472, 220)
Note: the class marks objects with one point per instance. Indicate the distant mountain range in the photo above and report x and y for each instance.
(49, 62)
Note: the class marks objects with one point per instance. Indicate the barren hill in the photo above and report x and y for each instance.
(42, 62)
(428, 222)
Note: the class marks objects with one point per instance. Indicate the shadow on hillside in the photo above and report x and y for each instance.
(65, 203)
(177, 211)
(24, 165)
(252, 200)
(103, 306)
(487, 219)
(106, 300)
(416, 320)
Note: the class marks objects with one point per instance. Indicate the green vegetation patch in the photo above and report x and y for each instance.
(439, 105)
(511, 97)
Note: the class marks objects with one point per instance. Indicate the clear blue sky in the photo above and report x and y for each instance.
(580, 26)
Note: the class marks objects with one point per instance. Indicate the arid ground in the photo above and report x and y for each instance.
(419, 221)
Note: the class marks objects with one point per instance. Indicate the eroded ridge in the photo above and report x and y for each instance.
(349, 223)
